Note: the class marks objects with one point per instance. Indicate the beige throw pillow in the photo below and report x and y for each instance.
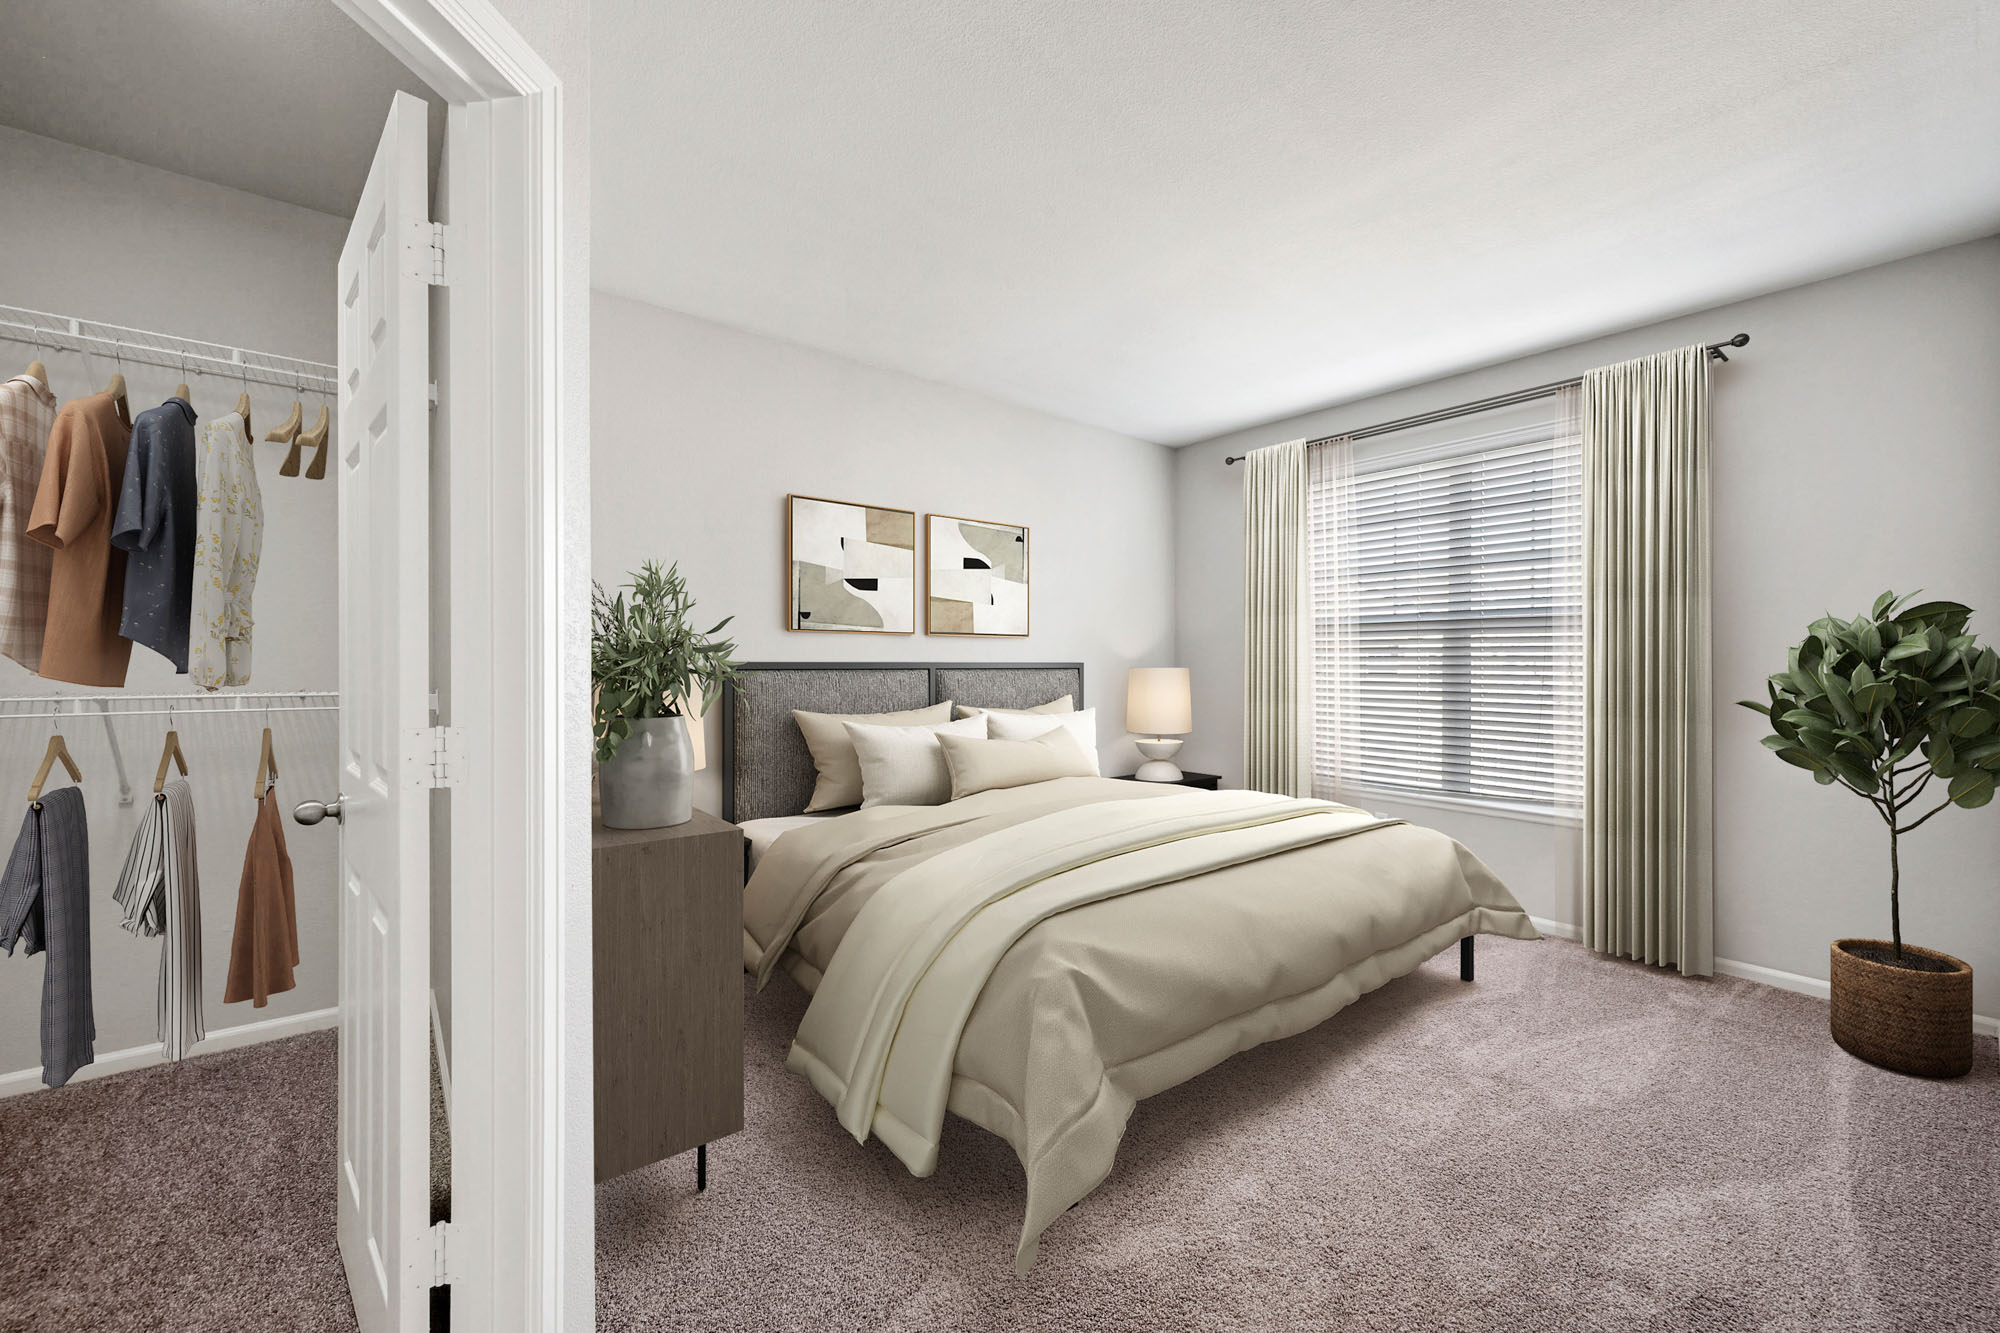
(902, 765)
(1082, 728)
(986, 765)
(839, 784)
(1066, 704)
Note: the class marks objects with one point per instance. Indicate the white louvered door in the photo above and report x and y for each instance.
(383, 463)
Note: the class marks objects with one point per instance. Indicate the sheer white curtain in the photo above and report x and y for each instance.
(1330, 468)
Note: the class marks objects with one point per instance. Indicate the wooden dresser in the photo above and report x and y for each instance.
(667, 953)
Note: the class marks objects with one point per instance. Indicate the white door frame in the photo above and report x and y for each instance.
(521, 1237)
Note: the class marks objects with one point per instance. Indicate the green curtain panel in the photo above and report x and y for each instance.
(1277, 623)
(1648, 864)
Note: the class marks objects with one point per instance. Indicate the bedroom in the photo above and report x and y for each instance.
(1157, 746)
(1162, 227)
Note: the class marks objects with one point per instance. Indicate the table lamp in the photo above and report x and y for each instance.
(1157, 705)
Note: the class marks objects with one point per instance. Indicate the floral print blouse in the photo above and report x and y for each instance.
(229, 540)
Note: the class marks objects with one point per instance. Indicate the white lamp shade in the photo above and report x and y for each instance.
(1157, 702)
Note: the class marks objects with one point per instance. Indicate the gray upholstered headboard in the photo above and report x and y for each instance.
(767, 770)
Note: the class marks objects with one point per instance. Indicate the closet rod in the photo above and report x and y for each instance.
(67, 333)
(1483, 404)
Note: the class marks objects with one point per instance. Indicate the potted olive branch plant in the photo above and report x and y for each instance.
(648, 666)
(1884, 705)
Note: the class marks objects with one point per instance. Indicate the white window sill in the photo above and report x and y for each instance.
(1529, 814)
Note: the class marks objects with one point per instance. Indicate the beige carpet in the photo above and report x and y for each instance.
(195, 1198)
(1571, 1142)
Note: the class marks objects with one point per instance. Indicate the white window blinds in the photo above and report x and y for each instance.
(1447, 599)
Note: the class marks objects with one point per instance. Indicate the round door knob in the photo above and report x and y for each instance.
(311, 812)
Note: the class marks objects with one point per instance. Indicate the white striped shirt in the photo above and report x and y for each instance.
(160, 890)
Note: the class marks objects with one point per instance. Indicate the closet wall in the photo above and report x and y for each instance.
(103, 238)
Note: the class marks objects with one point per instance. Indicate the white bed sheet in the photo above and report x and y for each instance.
(759, 834)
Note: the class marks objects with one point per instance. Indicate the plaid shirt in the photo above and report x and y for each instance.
(45, 904)
(27, 412)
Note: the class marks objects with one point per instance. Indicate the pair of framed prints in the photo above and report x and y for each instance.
(852, 568)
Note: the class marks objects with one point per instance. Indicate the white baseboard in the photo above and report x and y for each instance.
(443, 1057)
(142, 1057)
(1562, 930)
(1766, 976)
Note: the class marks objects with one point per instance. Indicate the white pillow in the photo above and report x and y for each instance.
(1082, 728)
(839, 782)
(984, 765)
(903, 765)
(1066, 704)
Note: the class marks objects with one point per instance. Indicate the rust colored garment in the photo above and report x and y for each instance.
(82, 474)
(265, 947)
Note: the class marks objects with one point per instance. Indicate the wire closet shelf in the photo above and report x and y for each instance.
(67, 333)
(44, 706)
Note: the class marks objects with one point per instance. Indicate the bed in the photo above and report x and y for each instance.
(1037, 959)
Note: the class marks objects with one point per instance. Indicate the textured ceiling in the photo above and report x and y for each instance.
(283, 98)
(1180, 217)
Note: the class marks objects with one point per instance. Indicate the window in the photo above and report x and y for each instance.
(1447, 600)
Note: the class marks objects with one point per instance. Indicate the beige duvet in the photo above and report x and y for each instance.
(1038, 959)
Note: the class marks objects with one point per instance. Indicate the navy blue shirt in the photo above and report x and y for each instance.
(156, 522)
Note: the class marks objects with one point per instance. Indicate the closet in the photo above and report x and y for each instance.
(269, 705)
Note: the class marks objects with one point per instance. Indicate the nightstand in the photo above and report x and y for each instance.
(667, 991)
(1205, 781)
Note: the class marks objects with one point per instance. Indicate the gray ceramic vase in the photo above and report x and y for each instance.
(649, 783)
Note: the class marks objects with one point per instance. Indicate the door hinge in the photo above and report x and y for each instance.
(440, 1254)
(435, 755)
(423, 252)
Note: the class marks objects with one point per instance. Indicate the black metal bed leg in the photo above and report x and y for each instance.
(1465, 959)
(701, 1168)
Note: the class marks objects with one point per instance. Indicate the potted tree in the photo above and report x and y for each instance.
(649, 668)
(1884, 705)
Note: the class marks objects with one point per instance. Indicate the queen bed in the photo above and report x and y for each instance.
(1037, 958)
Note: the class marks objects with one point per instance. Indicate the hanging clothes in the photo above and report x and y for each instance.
(155, 523)
(45, 902)
(265, 946)
(229, 541)
(160, 890)
(27, 413)
(82, 474)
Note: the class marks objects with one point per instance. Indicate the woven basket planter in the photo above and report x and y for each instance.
(1911, 1022)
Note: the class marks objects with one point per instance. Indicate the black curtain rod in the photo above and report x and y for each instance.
(1484, 404)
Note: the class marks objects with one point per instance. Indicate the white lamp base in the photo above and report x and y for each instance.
(1158, 767)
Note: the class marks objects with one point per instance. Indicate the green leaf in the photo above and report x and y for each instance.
(1883, 605)
(1843, 705)
(1915, 645)
(1754, 706)
(1968, 722)
(1856, 773)
(1972, 788)
(1940, 754)
(1868, 639)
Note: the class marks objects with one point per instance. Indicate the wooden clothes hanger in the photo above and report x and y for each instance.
(58, 749)
(243, 410)
(36, 370)
(288, 430)
(169, 753)
(314, 439)
(267, 768)
(118, 398)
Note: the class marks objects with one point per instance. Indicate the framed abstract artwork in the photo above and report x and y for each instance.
(852, 568)
(975, 577)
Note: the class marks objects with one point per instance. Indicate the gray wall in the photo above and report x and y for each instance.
(1857, 448)
(700, 431)
(103, 238)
